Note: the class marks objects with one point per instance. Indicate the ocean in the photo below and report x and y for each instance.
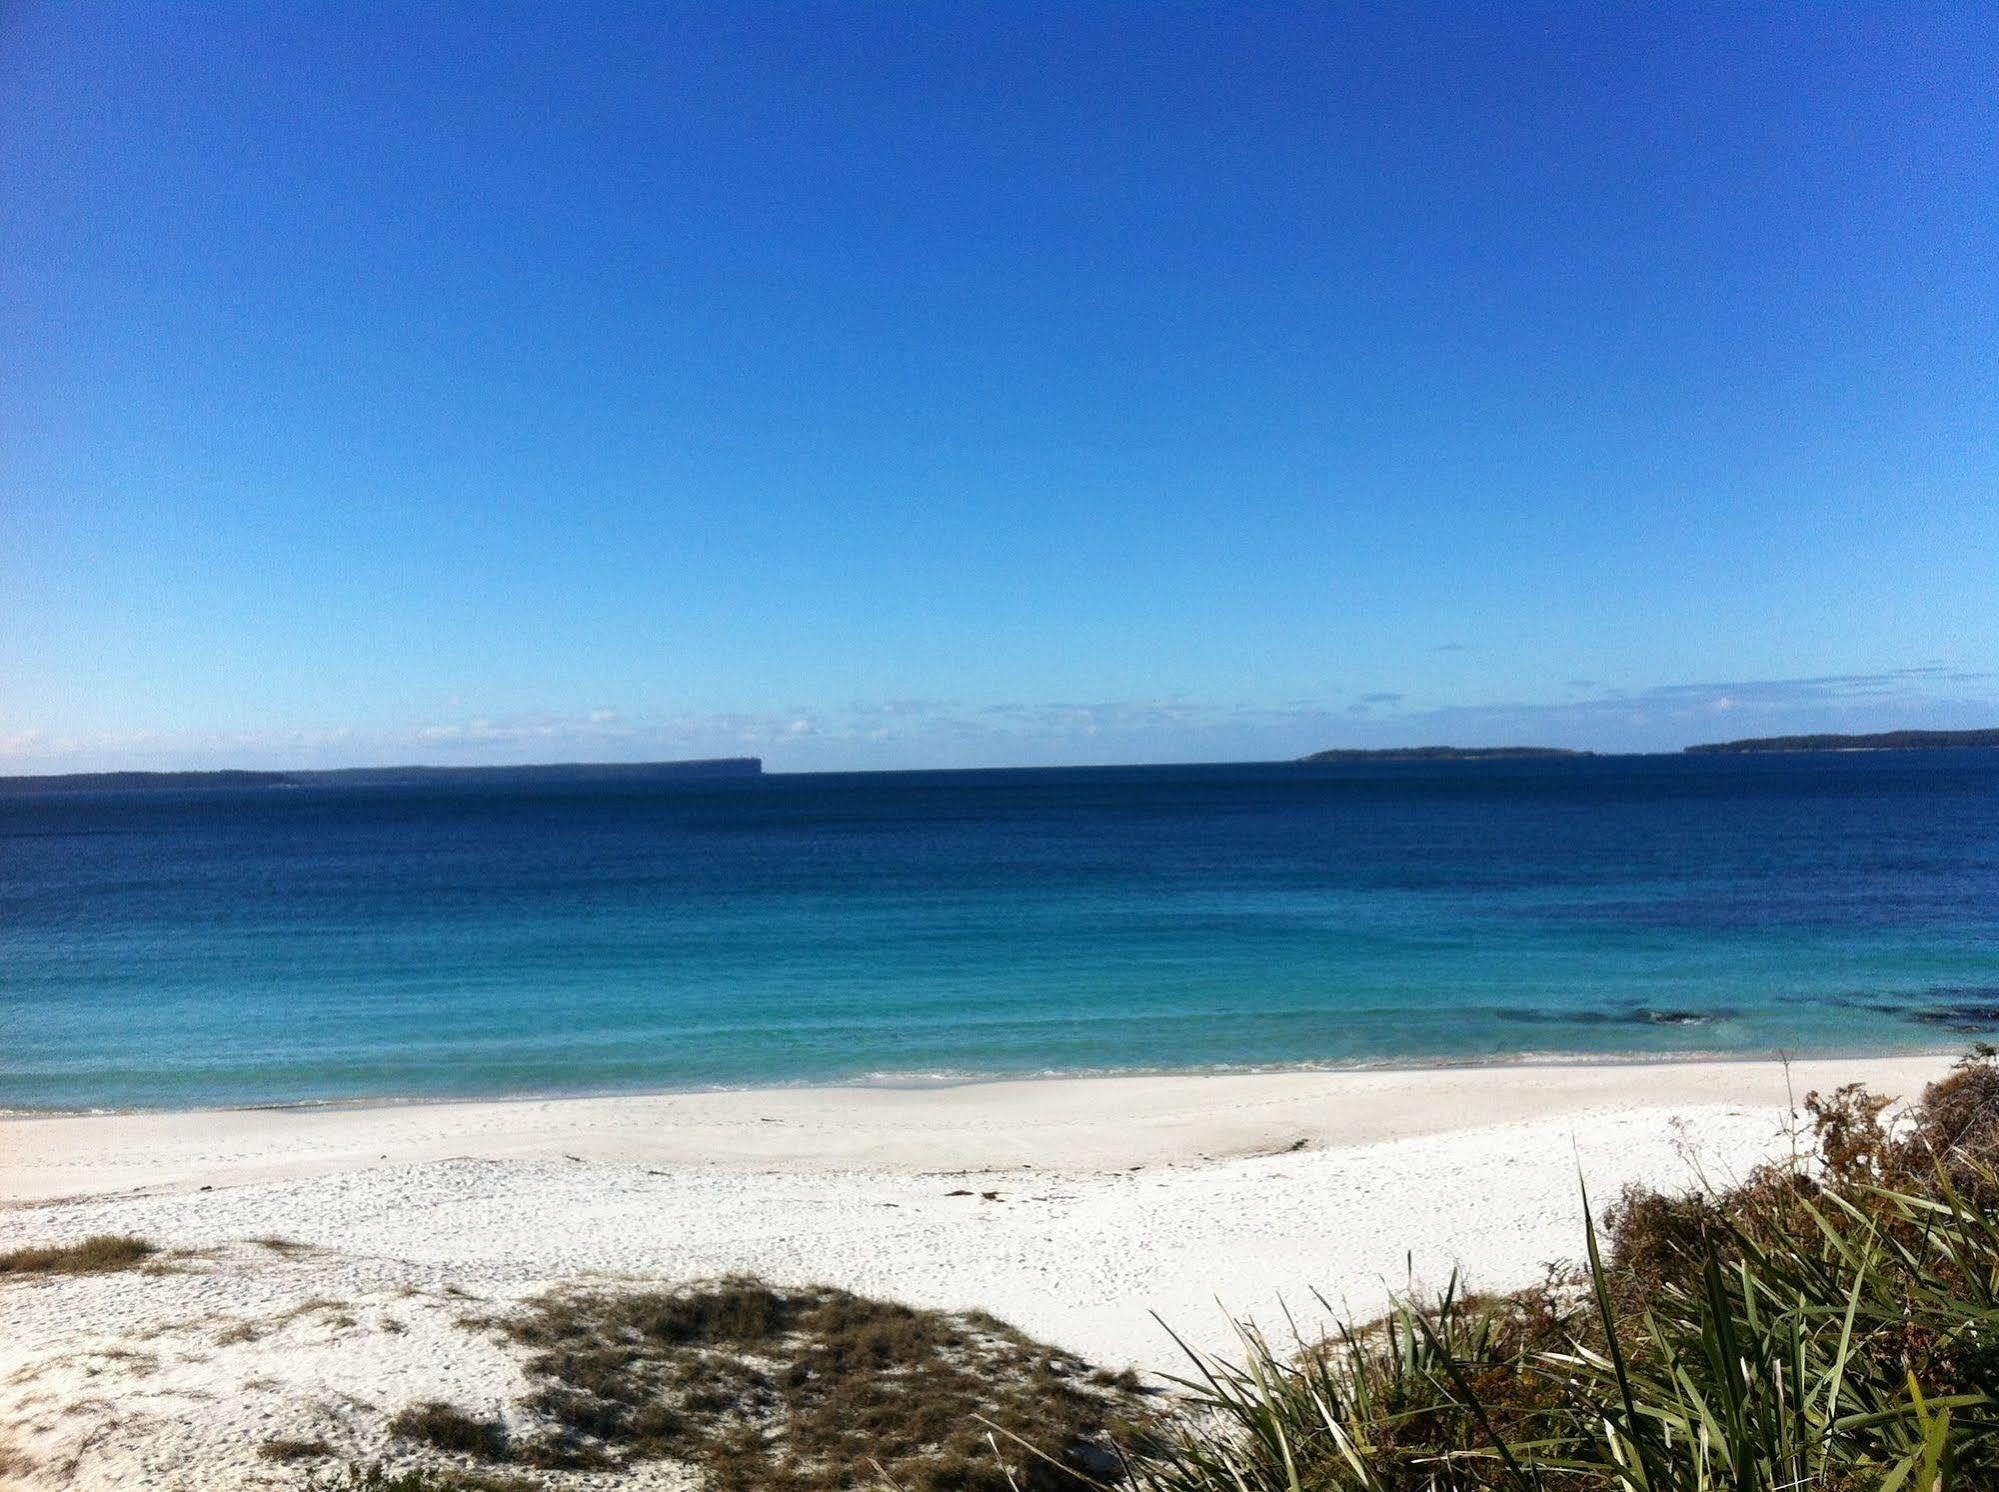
(236, 946)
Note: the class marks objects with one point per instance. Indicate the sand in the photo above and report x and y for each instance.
(1075, 1208)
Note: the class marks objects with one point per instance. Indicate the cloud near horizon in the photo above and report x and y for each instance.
(937, 732)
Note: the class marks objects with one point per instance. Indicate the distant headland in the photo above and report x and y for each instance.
(1441, 754)
(1891, 740)
(554, 774)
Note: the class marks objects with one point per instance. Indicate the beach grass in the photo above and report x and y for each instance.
(95, 1255)
(1831, 1323)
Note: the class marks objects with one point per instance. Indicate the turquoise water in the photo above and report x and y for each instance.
(286, 945)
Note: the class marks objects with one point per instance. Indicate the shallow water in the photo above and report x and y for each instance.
(298, 944)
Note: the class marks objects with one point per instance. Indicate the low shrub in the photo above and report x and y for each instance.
(771, 1390)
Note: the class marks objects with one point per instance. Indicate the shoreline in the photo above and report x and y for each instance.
(936, 1082)
(1088, 1123)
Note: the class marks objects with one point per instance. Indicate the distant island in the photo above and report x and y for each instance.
(554, 774)
(1892, 740)
(1441, 754)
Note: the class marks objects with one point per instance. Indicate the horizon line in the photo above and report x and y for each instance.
(1359, 755)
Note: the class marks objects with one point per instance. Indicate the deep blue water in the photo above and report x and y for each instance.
(276, 945)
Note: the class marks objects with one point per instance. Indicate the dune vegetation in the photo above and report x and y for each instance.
(95, 1255)
(1830, 1322)
(768, 1390)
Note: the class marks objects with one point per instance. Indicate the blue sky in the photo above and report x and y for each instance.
(954, 384)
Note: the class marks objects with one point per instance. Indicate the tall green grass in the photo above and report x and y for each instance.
(1831, 1323)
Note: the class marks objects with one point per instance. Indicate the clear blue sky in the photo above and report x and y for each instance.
(882, 385)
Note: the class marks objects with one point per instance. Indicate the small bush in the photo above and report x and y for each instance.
(448, 1428)
(95, 1255)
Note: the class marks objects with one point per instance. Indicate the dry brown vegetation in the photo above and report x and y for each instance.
(769, 1390)
(1948, 1143)
(335, 1314)
(96, 1255)
(446, 1428)
(426, 1479)
(283, 1450)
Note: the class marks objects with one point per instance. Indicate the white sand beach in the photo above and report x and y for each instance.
(1076, 1209)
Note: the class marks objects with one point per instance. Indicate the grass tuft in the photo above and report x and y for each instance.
(96, 1255)
(282, 1450)
(445, 1427)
